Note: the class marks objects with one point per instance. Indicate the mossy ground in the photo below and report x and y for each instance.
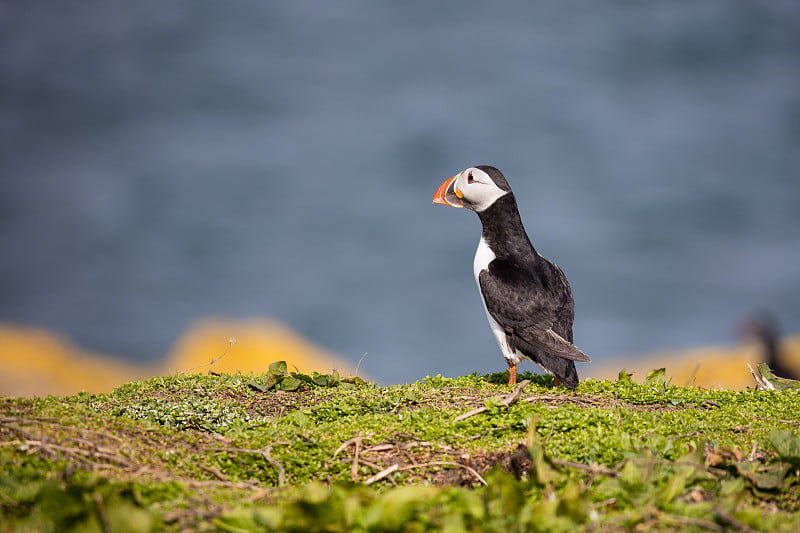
(221, 452)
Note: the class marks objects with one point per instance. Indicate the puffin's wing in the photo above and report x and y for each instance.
(551, 342)
(566, 311)
(525, 309)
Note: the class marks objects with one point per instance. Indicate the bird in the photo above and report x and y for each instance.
(527, 298)
(764, 328)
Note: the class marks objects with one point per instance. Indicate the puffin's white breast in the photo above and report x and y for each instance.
(484, 256)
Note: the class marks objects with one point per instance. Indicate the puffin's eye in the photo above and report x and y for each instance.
(470, 179)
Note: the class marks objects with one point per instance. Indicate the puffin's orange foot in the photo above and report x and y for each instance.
(512, 374)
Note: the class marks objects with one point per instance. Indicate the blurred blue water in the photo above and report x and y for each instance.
(162, 162)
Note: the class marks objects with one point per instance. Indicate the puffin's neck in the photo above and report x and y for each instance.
(503, 230)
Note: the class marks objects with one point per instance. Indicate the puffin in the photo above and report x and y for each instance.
(527, 298)
(764, 328)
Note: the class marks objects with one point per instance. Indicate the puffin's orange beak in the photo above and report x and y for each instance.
(448, 194)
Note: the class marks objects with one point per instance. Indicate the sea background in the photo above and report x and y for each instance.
(161, 162)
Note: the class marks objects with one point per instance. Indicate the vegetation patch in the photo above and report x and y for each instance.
(285, 451)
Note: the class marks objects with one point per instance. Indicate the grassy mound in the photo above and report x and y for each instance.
(293, 452)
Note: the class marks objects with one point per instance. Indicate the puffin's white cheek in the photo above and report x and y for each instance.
(483, 196)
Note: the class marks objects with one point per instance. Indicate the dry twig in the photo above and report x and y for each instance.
(5, 421)
(357, 442)
(231, 342)
(395, 467)
(105, 523)
(382, 474)
(592, 469)
(507, 401)
(214, 471)
(761, 382)
(78, 454)
(263, 452)
(358, 365)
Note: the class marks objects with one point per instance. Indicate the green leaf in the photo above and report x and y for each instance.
(276, 373)
(394, 509)
(766, 477)
(289, 383)
(574, 503)
(321, 380)
(304, 378)
(298, 418)
(542, 468)
(494, 404)
(278, 368)
(656, 377)
(253, 384)
(469, 503)
(271, 380)
(777, 382)
(238, 521)
(505, 496)
(316, 493)
(631, 474)
(123, 515)
(411, 397)
(675, 486)
(787, 443)
(624, 376)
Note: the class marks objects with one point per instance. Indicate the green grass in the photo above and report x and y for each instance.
(288, 452)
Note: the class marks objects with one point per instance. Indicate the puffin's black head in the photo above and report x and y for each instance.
(763, 326)
(475, 188)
